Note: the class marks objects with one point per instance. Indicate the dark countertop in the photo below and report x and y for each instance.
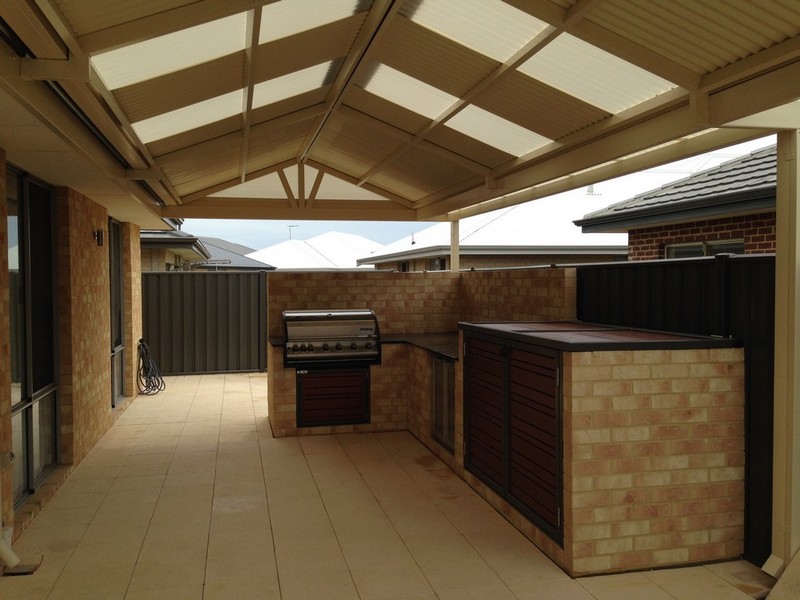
(574, 336)
(445, 344)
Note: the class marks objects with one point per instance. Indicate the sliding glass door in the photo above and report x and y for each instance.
(31, 263)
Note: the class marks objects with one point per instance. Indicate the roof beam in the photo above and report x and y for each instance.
(253, 27)
(279, 208)
(376, 23)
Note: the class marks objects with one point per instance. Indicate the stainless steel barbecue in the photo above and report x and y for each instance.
(331, 337)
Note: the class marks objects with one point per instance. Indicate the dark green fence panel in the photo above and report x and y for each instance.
(200, 322)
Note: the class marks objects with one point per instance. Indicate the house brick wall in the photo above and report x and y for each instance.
(84, 327)
(522, 295)
(403, 302)
(6, 483)
(757, 231)
(653, 458)
(132, 292)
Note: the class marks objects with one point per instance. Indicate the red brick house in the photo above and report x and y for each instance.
(727, 209)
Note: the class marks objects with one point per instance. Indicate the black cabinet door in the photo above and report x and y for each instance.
(512, 425)
(534, 424)
(484, 393)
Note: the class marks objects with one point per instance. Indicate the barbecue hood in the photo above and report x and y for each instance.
(331, 337)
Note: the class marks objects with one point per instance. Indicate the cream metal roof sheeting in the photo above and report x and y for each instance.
(391, 109)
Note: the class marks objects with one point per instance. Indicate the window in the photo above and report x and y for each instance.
(437, 264)
(405, 267)
(705, 248)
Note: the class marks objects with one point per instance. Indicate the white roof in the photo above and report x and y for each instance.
(331, 250)
(542, 225)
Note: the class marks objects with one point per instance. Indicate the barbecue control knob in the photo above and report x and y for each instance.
(353, 346)
(369, 345)
(302, 347)
(295, 348)
(311, 347)
(326, 347)
(338, 346)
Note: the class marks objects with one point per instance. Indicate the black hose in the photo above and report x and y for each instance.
(149, 378)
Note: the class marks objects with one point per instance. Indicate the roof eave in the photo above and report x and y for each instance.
(691, 211)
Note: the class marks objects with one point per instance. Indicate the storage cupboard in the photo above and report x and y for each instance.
(512, 418)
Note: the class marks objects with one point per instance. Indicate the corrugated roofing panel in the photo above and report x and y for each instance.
(702, 36)
(410, 93)
(419, 174)
(85, 17)
(226, 127)
(147, 99)
(292, 84)
(171, 52)
(594, 76)
(282, 19)
(272, 145)
(538, 107)
(353, 143)
(383, 110)
(496, 131)
(468, 147)
(431, 58)
(286, 55)
(189, 117)
(203, 166)
(490, 27)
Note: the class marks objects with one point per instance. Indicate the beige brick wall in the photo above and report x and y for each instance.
(653, 458)
(403, 302)
(521, 295)
(84, 324)
(132, 291)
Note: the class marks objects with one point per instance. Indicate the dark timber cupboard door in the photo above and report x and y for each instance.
(512, 425)
(484, 389)
(534, 433)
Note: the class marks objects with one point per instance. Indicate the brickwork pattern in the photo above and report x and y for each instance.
(403, 302)
(84, 324)
(523, 295)
(132, 291)
(757, 231)
(653, 458)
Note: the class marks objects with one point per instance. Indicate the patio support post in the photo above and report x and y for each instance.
(455, 262)
(786, 467)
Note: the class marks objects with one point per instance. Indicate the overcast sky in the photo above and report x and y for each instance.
(260, 234)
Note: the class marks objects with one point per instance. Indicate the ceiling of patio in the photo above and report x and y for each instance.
(380, 110)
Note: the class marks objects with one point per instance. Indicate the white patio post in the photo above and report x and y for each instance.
(786, 468)
(455, 261)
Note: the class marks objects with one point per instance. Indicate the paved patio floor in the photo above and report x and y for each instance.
(188, 496)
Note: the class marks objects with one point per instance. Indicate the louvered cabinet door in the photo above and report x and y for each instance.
(484, 389)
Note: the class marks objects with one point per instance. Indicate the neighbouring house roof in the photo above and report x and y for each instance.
(203, 252)
(740, 186)
(332, 250)
(541, 227)
(228, 255)
(180, 243)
